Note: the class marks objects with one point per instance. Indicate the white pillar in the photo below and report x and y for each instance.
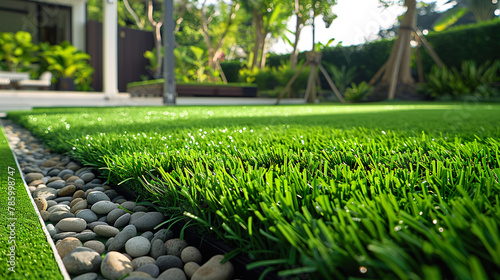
(79, 24)
(110, 48)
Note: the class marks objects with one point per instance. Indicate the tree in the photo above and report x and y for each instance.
(482, 10)
(269, 19)
(305, 11)
(215, 37)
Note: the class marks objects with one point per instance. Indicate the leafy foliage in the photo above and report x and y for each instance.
(66, 61)
(469, 80)
(342, 76)
(16, 51)
(358, 92)
(390, 191)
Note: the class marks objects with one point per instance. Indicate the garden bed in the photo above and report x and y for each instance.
(155, 89)
(380, 191)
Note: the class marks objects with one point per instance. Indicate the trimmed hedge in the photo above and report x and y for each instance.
(231, 70)
(478, 42)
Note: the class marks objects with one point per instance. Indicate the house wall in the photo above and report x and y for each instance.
(131, 62)
(50, 21)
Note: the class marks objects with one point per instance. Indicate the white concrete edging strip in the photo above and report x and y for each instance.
(59, 261)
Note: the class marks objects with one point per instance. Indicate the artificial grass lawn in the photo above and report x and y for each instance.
(32, 255)
(397, 191)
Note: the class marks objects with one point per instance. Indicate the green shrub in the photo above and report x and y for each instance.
(357, 93)
(66, 61)
(231, 70)
(16, 51)
(470, 79)
(342, 76)
(479, 42)
(272, 79)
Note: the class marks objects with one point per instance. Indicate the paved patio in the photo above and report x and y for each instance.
(25, 100)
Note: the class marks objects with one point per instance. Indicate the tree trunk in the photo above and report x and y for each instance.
(264, 52)
(294, 56)
(397, 69)
(259, 40)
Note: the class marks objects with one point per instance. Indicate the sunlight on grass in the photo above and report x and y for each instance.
(383, 191)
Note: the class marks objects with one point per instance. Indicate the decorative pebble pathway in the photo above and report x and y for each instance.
(99, 234)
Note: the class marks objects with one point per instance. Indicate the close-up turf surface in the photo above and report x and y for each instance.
(392, 191)
(24, 250)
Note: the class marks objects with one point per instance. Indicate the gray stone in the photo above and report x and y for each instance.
(86, 236)
(191, 254)
(87, 177)
(106, 231)
(30, 177)
(57, 184)
(51, 203)
(58, 207)
(96, 181)
(119, 199)
(148, 234)
(175, 246)
(214, 270)
(190, 268)
(148, 221)
(122, 237)
(87, 276)
(129, 205)
(65, 172)
(88, 215)
(56, 216)
(82, 260)
(47, 193)
(108, 243)
(96, 196)
(103, 207)
(140, 208)
(122, 221)
(115, 265)
(136, 216)
(52, 230)
(168, 261)
(142, 261)
(163, 234)
(103, 219)
(75, 201)
(90, 186)
(53, 172)
(63, 235)
(79, 183)
(64, 202)
(172, 274)
(60, 199)
(111, 194)
(79, 206)
(93, 224)
(72, 224)
(151, 269)
(67, 190)
(97, 245)
(138, 275)
(114, 215)
(157, 249)
(67, 245)
(137, 246)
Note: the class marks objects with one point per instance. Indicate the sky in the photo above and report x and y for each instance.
(357, 21)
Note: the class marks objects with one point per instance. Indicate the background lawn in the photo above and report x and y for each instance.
(392, 191)
(33, 256)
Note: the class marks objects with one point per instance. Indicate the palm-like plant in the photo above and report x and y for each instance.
(482, 10)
